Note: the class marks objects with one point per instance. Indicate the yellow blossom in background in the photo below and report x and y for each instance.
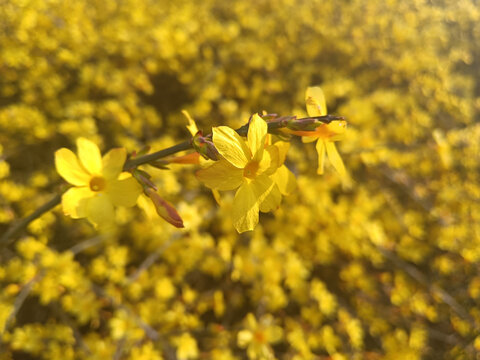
(99, 183)
(387, 270)
(186, 347)
(246, 165)
(258, 337)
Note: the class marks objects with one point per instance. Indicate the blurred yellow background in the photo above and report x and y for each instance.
(388, 269)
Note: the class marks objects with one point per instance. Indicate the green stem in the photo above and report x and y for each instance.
(277, 123)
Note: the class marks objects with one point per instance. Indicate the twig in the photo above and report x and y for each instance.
(278, 123)
(78, 248)
(17, 227)
(76, 333)
(150, 260)
(149, 331)
(22, 296)
(422, 279)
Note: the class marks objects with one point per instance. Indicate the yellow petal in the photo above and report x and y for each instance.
(113, 162)
(192, 126)
(257, 132)
(283, 147)
(247, 201)
(315, 100)
(309, 139)
(231, 146)
(124, 192)
(269, 163)
(217, 197)
(272, 201)
(245, 209)
(273, 334)
(335, 158)
(222, 175)
(321, 156)
(69, 168)
(74, 201)
(337, 129)
(285, 180)
(99, 210)
(89, 155)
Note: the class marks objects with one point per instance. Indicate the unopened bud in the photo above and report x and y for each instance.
(205, 147)
(164, 209)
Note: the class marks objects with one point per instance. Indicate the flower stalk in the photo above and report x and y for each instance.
(274, 124)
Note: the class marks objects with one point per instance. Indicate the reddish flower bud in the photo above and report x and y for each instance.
(164, 209)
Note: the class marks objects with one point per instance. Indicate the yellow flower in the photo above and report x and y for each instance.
(326, 133)
(258, 337)
(99, 183)
(246, 165)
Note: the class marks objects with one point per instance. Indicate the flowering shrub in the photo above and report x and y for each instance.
(375, 258)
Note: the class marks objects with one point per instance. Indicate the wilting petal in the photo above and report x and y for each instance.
(257, 132)
(89, 155)
(222, 175)
(335, 158)
(245, 209)
(315, 100)
(269, 163)
(321, 156)
(285, 180)
(68, 166)
(272, 201)
(113, 162)
(231, 146)
(74, 201)
(124, 192)
(99, 210)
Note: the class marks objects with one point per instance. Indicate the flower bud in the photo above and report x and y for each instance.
(164, 209)
(205, 147)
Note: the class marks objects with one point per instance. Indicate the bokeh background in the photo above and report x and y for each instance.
(388, 269)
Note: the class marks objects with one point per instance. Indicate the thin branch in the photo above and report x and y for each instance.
(417, 275)
(276, 124)
(86, 244)
(150, 260)
(18, 226)
(149, 331)
(20, 299)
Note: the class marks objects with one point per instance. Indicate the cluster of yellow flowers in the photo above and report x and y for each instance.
(377, 258)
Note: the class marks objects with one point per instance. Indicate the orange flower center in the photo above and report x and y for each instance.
(260, 337)
(97, 183)
(250, 171)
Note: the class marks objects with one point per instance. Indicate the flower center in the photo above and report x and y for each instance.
(250, 171)
(97, 183)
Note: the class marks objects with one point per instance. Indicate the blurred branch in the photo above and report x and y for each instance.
(78, 248)
(417, 275)
(149, 331)
(150, 260)
(20, 299)
(22, 223)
